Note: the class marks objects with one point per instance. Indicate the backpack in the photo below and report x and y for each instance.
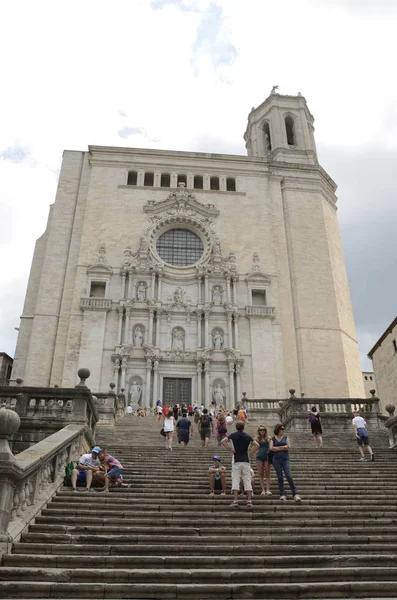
(67, 480)
(222, 428)
(205, 421)
(313, 419)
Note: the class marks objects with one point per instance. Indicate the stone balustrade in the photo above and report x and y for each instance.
(95, 304)
(391, 425)
(110, 406)
(43, 411)
(260, 311)
(28, 481)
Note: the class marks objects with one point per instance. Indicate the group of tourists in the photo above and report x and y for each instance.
(97, 469)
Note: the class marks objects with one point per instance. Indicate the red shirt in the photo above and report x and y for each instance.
(165, 411)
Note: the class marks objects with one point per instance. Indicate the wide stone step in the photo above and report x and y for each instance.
(234, 548)
(268, 528)
(224, 575)
(206, 591)
(247, 538)
(211, 562)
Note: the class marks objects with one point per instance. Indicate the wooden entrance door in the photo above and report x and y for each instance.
(177, 391)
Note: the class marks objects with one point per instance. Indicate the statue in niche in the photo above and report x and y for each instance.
(217, 339)
(135, 393)
(266, 141)
(141, 292)
(138, 336)
(179, 295)
(218, 395)
(177, 340)
(217, 296)
(127, 257)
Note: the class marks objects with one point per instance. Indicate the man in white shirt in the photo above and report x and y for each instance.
(229, 418)
(88, 464)
(360, 429)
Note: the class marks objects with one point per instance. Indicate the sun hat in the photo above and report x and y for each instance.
(96, 449)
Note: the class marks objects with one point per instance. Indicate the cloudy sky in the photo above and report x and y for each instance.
(183, 75)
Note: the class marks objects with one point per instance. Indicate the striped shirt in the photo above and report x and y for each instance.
(112, 462)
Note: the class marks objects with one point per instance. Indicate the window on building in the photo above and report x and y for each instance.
(98, 289)
(394, 345)
(290, 130)
(366, 378)
(165, 180)
(132, 178)
(214, 183)
(182, 179)
(149, 179)
(198, 182)
(370, 377)
(180, 247)
(258, 297)
(231, 184)
(8, 374)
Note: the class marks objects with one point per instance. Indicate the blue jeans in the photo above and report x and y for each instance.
(115, 472)
(281, 464)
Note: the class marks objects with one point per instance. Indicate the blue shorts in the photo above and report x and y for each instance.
(115, 472)
(363, 440)
(82, 477)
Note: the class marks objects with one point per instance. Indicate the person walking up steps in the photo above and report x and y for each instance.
(206, 425)
(183, 428)
(262, 460)
(241, 469)
(315, 424)
(280, 446)
(169, 430)
(360, 429)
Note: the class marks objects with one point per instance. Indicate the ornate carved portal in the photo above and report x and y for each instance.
(178, 325)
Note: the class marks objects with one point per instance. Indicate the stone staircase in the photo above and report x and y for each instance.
(165, 537)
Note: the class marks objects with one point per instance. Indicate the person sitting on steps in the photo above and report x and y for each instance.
(89, 465)
(113, 471)
(217, 473)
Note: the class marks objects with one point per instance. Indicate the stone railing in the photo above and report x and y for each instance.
(391, 425)
(259, 311)
(110, 406)
(336, 413)
(43, 411)
(95, 304)
(28, 481)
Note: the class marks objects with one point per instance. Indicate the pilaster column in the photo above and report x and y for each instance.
(207, 367)
(206, 329)
(199, 289)
(148, 376)
(229, 331)
(236, 343)
(151, 313)
(152, 293)
(123, 278)
(187, 339)
(174, 179)
(155, 381)
(158, 322)
(231, 385)
(160, 278)
(140, 178)
(156, 181)
(130, 284)
(228, 297)
(206, 288)
(238, 382)
(199, 336)
(169, 342)
(116, 372)
(190, 181)
(234, 279)
(120, 310)
(127, 324)
(199, 398)
(123, 372)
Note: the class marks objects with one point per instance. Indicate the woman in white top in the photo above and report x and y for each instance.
(169, 430)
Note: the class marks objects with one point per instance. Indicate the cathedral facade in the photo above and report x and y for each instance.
(195, 277)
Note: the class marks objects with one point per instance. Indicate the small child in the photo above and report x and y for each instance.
(217, 473)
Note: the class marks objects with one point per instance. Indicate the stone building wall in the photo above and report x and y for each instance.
(274, 240)
(384, 361)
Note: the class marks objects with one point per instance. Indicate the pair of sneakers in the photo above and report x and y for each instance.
(297, 498)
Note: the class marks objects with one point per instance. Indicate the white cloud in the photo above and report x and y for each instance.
(183, 75)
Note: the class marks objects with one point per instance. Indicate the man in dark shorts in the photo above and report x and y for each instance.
(205, 427)
(183, 428)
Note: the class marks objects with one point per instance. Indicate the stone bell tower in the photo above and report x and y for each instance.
(282, 127)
